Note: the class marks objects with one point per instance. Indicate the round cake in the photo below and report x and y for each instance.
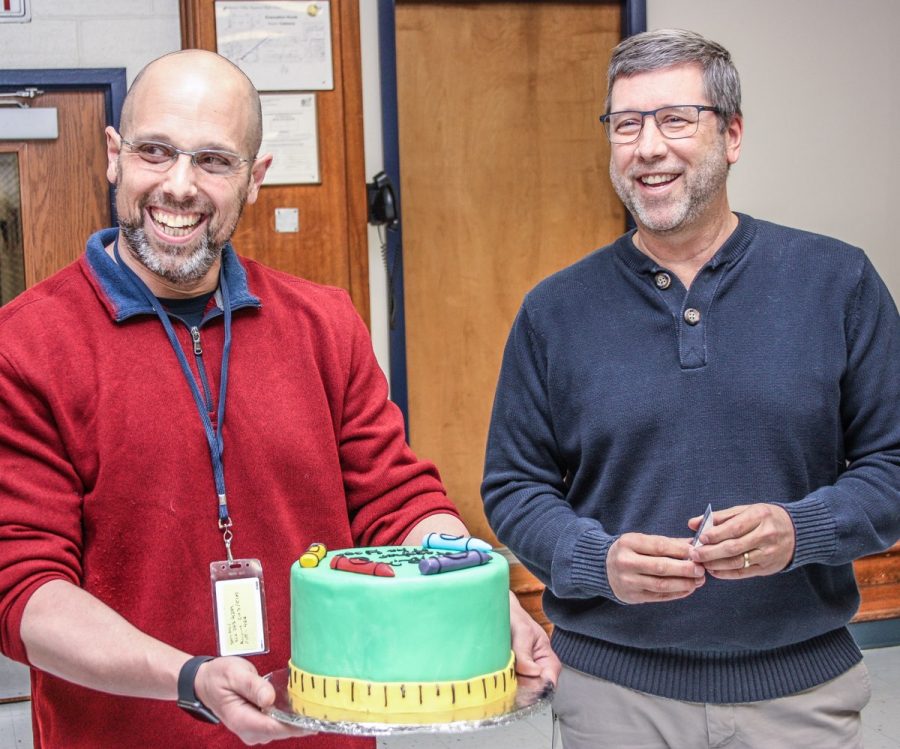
(400, 630)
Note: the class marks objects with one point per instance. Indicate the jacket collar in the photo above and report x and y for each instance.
(124, 301)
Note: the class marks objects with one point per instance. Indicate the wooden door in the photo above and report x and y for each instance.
(504, 180)
(63, 190)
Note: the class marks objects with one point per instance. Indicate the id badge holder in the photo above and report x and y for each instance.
(239, 606)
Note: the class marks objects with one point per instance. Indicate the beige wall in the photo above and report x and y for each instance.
(821, 101)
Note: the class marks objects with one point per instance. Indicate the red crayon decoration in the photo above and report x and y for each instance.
(361, 565)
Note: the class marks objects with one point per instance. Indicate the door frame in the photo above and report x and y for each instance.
(111, 82)
(634, 20)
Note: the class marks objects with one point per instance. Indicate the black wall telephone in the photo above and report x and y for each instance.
(383, 208)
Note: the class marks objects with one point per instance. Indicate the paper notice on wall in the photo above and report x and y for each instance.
(290, 134)
(281, 46)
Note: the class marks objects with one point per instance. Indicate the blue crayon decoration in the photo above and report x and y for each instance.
(455, 543)
(450, 562)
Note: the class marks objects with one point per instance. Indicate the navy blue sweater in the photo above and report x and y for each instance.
(615, 414)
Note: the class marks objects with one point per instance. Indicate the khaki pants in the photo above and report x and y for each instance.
(596, 714)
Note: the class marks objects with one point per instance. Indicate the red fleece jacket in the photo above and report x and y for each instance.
(105, 476)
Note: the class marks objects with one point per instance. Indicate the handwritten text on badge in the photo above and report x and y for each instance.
(239, 616)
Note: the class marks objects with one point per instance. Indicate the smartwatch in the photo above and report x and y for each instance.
(187, 697)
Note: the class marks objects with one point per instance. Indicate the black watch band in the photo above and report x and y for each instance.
(187, 697)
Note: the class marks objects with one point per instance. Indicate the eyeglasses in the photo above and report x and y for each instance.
(678, 121)
(163, 155)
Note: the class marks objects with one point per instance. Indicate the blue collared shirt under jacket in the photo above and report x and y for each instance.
(627, 403)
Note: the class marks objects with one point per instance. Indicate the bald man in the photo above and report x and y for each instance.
(126, 482)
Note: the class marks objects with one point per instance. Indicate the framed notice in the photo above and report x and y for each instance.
(281, 46)
(290, 134)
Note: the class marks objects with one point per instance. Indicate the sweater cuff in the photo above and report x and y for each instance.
(579, 568)
(589, 562)
(815, 538)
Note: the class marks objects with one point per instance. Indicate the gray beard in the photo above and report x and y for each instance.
(168, 264)
(707, 181)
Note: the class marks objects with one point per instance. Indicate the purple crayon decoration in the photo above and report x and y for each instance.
(361, 565)
(450, 562)
(455, 543)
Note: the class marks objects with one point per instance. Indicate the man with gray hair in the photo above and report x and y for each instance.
(705, 361)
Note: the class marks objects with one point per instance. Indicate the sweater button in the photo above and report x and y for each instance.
(662, 280)
(691, 316)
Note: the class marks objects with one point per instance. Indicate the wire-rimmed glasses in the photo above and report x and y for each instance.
(162, 155)
(674, 121)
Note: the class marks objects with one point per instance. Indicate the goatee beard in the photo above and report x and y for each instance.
(167, 262)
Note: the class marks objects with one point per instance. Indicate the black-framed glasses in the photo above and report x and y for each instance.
(674, 121)
(162, 155)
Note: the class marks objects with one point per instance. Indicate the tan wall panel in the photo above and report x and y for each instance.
(504, 180)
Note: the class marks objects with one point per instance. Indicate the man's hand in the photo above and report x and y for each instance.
(746, 541)
(236, 693)
(648, 569)
(531, 645)
(59, 629)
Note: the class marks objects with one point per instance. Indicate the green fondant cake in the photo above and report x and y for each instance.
(405, 643)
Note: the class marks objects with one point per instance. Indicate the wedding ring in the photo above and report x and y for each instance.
(746, 559)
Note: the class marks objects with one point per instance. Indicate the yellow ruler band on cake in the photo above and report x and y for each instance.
(358, 695)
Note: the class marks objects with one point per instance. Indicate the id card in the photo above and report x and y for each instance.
(239, 606)
(707, 522)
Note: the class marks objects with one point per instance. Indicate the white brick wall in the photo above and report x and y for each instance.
(91, 34)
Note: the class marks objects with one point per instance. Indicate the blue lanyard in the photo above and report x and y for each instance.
(213, 436)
